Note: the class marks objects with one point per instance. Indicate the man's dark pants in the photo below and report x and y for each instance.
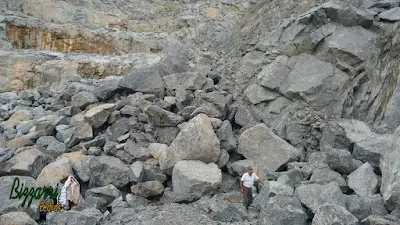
(247, 196)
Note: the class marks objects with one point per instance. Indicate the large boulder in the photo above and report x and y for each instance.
(7, 183)
(256, 93)
(106, 170)
(225, 135)
(363, 181)
(16, 218)
(26, 163)
(260, 144)
(343, 133)
(370, 150)
(85, 217)
(54, 172)
(102, 196)
(362, 207)
(334, 214)
(175, 58)
(161, 117)
(98, 115)
(342, 161)
(282, 210)
(196, 141)
(83, 99)
(391, 15)
(196, 178)
(390, 168)
(315, 195)
(51, 146)
(146, 80)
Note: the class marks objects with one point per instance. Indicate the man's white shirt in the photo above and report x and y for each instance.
(248, 181)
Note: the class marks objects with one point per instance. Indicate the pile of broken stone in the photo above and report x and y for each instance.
(141, 157)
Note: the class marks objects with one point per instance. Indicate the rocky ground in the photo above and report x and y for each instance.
(157, 107)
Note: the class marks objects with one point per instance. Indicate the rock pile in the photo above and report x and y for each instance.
(310, 103)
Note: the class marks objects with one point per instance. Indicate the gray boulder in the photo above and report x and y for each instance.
(136, 201)
(196, 141)
(162, 117)
(118, 203)
(245, 117)
(223, 158)
(83, 99)
(148, 189)
(390, 168)
(6, 154)
(107, 88)
(326, 175)
(342, 161)
(137, 171)
(166, 135)
(153, 172)
(362, 207)
(195, 177)
(106, 170)
(98, 115)
(391, 14)
(282, 210)
(87, 216)
(156, 149)
(172, 197)
(81, 168)
(146, 80)
(276, 188)
(189, 81)
(26, 163)
(334, 214)
(239, 167)
(343, 133)
(370, 150)
(100, 197)
(174, 59)
(225, 135)
(363, 181)
(51, 146)
(261, 145)
(315, 195)
(17, 204)
(380, 220)
(20, 218)
(256, 94)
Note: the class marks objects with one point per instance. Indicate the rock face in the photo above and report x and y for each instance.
(196, 178)
(260, 144)
(196, 141)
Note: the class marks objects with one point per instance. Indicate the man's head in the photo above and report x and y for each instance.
(250, 170)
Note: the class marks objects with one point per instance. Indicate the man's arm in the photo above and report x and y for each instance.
(260, 181)
(241, 186)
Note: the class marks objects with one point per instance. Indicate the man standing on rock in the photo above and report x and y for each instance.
(246, 185)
